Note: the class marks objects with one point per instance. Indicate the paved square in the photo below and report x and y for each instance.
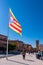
(18, 60)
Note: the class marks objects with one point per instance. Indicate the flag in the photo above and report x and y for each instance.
(14, 24)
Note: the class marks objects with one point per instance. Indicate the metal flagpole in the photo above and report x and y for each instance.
(7, 42)
(7, 50)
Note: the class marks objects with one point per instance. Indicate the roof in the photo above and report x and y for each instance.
(3, 37)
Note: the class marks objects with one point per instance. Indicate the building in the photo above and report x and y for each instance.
(19, 44)
(41, 47)
(28, 47)
(37, 45)
(3, 40)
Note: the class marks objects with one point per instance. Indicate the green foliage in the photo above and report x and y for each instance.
(11, 47)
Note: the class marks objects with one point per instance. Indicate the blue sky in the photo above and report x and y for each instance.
(30, 15)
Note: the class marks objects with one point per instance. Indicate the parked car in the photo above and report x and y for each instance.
(39, 55)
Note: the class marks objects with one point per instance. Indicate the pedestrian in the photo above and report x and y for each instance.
(24, 53)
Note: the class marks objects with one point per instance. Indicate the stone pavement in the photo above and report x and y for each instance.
(18, 60)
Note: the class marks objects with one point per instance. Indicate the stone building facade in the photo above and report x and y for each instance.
(3, 40)
(39, 46)
(19, 44)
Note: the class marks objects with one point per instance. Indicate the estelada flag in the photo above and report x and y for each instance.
(14, 24)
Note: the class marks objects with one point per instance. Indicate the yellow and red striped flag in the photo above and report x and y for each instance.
(14, 24)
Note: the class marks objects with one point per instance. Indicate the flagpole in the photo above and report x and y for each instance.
(8, 32)
(7, 50)
(7, 42)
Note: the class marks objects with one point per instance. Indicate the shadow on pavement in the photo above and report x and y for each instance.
(4, 56)
(18, 62)
(30, 60)
(12, 53)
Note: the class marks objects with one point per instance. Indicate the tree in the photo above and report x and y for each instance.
(11, 47)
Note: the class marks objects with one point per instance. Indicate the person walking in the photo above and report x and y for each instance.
(24, 53)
